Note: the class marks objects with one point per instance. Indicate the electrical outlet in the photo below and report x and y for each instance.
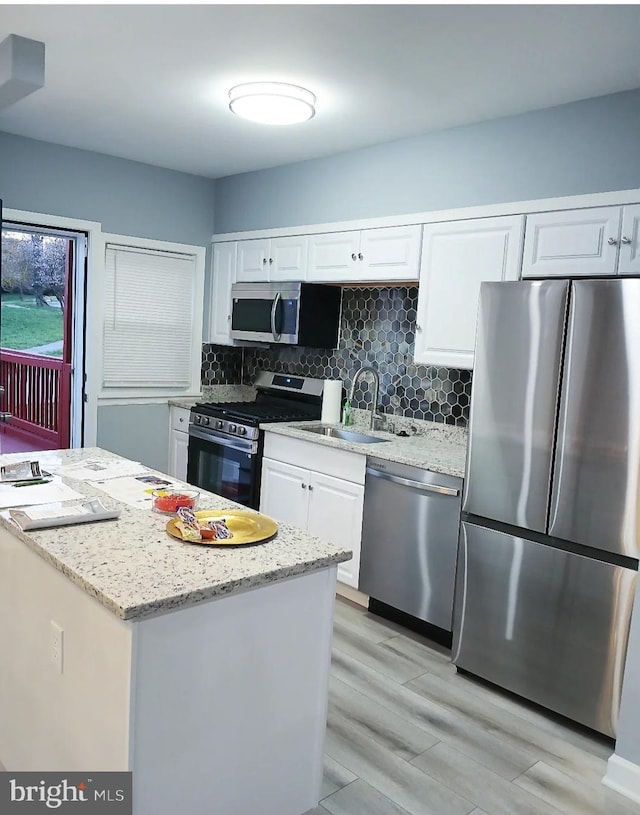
(57, 640)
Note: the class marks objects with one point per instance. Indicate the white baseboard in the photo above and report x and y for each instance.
(624, 777)
(352, 594)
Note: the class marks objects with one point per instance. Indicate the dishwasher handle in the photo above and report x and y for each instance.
(418, 485)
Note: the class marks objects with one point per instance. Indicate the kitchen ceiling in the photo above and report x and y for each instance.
(150, 83)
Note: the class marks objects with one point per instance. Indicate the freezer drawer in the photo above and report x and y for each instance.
(409, 540)
(547, 624)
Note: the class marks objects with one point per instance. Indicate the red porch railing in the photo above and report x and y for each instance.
(37, 394)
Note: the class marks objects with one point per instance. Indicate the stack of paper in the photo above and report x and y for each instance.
(47, 517)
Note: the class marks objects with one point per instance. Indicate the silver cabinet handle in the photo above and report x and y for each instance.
(274, 306)
(360, 256)
(270, 260)
(625, 239)
(304, 486)
(612, 241)
(264, 261)
(418, 485)
(4, 416)
(354, 256)
(2, 389)
(310, 487)
(418, 327)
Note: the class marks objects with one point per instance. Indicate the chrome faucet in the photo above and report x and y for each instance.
(376, 381)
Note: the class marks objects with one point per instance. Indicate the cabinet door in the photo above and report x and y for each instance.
(629, 262)
(284, 492)
(288, 258)
(456, 258)
(333, 257)
(179, 443)
(335, 514)
(223, 274)
(253, 261)
(572, 243)
(389, 254)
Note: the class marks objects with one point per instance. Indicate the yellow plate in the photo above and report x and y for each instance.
(246, 527)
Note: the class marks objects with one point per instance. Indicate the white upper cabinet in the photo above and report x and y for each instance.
(223, 275)
(288, 258)
(572, 243)
(273, 259)
(629, 259)
(368, 255)
(456, 258)
(391, 253)
(333, 257)
(253, 261)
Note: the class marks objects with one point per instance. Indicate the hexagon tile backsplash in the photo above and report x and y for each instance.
(378, 329)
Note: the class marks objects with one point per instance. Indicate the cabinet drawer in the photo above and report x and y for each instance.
(180, 419)
(317, 457)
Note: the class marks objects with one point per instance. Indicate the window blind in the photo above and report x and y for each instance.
(148, 318)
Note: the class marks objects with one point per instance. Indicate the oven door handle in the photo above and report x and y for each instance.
(219, 438)
(274, 308)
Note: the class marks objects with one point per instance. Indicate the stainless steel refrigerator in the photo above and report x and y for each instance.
(550, 530)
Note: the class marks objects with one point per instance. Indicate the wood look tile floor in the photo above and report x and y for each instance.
(407, 734)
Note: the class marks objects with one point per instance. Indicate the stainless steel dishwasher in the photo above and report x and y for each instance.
(410, 540)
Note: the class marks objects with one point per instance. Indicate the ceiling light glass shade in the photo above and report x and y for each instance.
(272, 103)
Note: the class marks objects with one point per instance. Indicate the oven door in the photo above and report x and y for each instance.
(225, 465)
(265, 315)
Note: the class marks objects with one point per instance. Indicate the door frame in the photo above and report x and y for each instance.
(84, 312)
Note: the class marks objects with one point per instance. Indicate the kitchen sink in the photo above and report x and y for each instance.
(339, 433)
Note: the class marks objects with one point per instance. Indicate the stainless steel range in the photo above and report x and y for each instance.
(225, 441)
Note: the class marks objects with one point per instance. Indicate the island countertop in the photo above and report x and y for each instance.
(136, 570)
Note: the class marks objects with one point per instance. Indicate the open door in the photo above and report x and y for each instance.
(38, 337)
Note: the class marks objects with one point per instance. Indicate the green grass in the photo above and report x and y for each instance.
(25, 325)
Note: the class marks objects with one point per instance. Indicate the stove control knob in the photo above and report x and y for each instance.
(196, 419)
(232, 428)
(242, 431)
(205, 420)
(219, 424)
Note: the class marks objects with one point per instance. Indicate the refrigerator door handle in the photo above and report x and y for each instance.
(417, 485)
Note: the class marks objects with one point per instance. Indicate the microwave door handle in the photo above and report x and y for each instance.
(274, 307)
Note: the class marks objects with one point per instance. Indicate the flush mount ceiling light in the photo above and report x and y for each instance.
(272, 103)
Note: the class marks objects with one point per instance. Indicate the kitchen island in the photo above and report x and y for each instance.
(203, 670)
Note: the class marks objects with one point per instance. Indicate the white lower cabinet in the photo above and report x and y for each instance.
(316, 500)
(178, 442)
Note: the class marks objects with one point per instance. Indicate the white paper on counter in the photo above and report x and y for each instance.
(100, 469)
(50, 493)
(135, 492)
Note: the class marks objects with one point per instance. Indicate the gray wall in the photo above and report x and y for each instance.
(589, 146)
(139, 432)
(128, 198)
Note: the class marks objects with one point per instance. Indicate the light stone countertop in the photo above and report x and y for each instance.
(217, 393)
(136, 570)
(435, 447)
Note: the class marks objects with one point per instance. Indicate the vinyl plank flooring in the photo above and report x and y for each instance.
(562, 792)
(420, 654)
(478, 784)
(456, 730)
(395, 733)
(600, 746)
(514, 731)
(394, 665)
(360, 798)
(364, 624)
(334, 777)
(407, 786)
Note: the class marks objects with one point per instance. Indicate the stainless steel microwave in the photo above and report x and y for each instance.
(286, 313)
